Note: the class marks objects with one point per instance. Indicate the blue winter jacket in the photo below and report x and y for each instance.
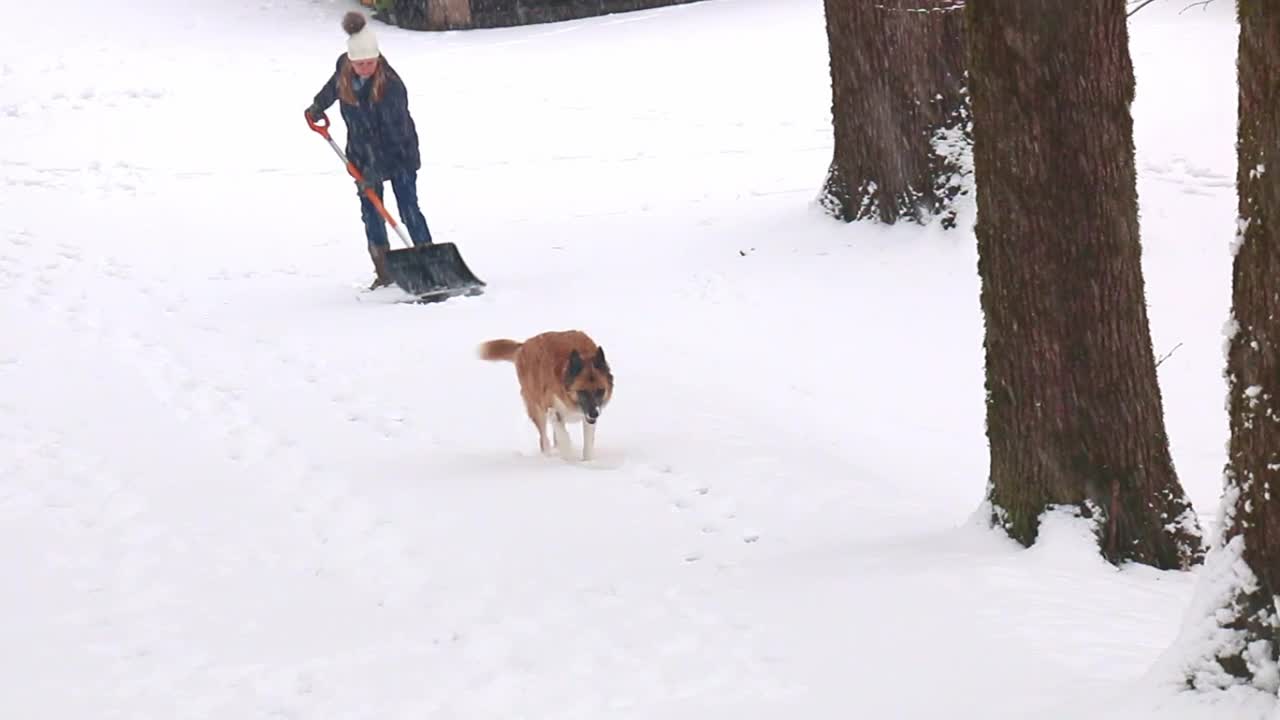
(381, 137)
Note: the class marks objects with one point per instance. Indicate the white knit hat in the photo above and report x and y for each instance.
(361, 45)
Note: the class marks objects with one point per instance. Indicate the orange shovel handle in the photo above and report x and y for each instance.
(321, 126)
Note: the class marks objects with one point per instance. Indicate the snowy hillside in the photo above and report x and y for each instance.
(234, 486)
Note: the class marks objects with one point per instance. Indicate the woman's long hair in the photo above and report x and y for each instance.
(347, 76)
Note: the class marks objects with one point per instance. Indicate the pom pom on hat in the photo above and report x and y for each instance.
(361, 45)
(353, 22)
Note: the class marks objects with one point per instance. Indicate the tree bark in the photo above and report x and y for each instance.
(1074, 413)
(900, 113)
(1248, 650)
(410, 14)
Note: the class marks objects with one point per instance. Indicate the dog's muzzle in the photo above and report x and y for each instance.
(590, 410)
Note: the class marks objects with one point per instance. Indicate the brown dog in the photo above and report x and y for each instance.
(564, 378)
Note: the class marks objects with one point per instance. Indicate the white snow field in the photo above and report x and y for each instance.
(234, 486)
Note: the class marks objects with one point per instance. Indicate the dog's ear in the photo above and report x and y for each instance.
(575, 367)
(600, 362)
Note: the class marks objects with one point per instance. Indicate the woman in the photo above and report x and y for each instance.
(382, 140)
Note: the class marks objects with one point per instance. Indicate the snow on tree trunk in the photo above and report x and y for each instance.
(1074, 413)
(899, 110)
(1236, 609)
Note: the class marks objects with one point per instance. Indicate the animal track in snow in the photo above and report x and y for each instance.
(715, 518)
(61, 101)
(1195, 180)
(34, 269)
(348, 400)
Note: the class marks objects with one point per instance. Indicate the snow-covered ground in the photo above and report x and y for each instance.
(233, 486)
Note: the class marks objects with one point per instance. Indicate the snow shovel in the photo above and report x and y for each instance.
(432, 272)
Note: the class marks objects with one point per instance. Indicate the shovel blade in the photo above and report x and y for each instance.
(432, 270)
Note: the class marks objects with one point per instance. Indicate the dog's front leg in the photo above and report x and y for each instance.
(588, 440)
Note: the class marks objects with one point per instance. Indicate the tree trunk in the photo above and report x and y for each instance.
(410, 14)
(900, 113)
(1247, 650)
(1074, 413)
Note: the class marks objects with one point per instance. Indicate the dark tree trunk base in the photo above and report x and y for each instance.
(900, 111)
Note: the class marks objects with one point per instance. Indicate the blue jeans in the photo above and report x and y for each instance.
(405, 186)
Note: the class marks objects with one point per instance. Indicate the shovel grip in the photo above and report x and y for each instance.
(321, 126)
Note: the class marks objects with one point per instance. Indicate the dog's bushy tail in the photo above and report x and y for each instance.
(499, 350)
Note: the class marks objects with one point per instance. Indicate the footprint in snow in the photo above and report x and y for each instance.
(691, 498)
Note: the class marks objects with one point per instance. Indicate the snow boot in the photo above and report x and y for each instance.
(379, 257)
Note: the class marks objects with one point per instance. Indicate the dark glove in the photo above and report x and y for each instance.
(314, 112)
